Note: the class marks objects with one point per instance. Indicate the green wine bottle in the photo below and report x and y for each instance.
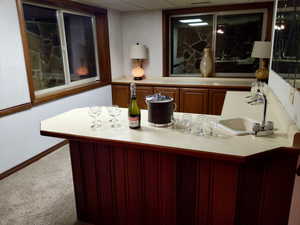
(134, 112)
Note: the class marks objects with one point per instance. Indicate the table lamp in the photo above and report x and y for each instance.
(138, 53)
(262, 50)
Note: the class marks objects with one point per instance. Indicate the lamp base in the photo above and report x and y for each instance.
(262, 74)
(138, 78)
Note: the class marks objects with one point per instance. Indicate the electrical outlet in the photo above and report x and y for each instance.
(292, 95)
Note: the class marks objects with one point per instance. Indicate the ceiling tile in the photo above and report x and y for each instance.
(153, 4)
(113, 4)
(135, 5)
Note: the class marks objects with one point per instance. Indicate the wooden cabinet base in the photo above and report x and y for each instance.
(117, 185)
(207, 100)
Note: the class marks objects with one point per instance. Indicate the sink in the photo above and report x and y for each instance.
(237, 126)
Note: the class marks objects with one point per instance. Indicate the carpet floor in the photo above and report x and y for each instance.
(40, 194)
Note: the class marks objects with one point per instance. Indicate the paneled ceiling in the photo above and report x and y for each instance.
(134, 5)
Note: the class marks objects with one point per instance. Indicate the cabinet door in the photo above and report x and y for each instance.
(216, 101)
(172, 92)
(194, 100)
(120, 95)
(141, 93)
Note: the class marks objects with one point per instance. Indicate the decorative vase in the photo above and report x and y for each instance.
(206, 63)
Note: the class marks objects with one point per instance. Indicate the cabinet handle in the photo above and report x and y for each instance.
(298, 171)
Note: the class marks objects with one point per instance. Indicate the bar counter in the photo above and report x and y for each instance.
(163, 176)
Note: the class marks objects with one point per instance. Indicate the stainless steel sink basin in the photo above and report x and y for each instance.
(237, 126)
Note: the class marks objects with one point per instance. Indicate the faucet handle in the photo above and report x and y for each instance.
(269, 125)
(256, 127)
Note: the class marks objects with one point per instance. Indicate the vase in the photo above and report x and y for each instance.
(206, 63)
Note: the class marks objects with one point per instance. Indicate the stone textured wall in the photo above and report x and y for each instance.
(191, 43)
(45, 52)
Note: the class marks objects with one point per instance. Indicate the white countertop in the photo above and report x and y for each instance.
(189, 81)
(77, 123)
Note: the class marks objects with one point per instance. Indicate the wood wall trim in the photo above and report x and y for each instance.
(52, 97)
(166, 23)
(102, 49)
(15, 109)
(32, 160)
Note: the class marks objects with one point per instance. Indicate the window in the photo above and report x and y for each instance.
(229, 31)
(45, 47)
(62, 46)
(234, 42)
(190, 35)
(80, 46)
(286, 55)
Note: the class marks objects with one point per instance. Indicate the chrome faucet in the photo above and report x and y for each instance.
(264, 128)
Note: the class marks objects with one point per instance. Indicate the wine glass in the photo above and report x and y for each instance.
(95, 112)
(197, 128)
(187, 122)
(113, 112)
(117, 116)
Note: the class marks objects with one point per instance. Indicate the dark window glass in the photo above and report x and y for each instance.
(189, 36)
(81, 46)
(44, 45)
(236, 35)
(286, 47)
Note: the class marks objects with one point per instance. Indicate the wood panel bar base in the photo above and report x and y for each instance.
(121, 185)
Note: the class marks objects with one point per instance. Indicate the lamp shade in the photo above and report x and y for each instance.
(138, 51)
(261, 49)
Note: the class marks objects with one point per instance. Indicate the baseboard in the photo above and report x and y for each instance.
(32, 160)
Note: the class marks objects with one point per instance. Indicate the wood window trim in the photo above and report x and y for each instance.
(269, 6)
(103, 51)
(15, 109)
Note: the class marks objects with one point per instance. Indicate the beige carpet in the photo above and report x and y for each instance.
(40, 194)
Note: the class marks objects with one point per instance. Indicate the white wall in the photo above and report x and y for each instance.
(285, 92)
(115, 43)
(12, 65)
(19, 133)
(146, 28)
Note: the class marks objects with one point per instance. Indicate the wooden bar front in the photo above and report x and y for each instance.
(119, 184)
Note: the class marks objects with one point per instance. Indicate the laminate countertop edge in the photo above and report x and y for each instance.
(228, 83)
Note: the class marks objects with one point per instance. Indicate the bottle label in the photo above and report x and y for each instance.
(134, 121)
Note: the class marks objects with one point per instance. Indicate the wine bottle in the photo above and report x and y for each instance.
(134, 112)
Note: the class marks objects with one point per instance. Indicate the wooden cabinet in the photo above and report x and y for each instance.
(216, 101)
(141, 93)
(194, 100)
(120, 95)
(160, 185)
(207, 100)
(172, 92)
